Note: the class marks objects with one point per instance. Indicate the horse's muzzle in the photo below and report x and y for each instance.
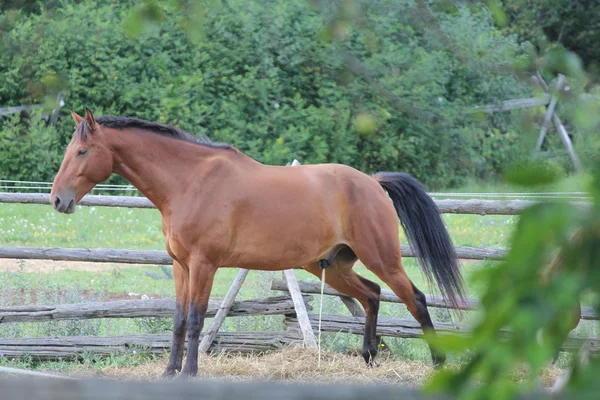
(64, 202)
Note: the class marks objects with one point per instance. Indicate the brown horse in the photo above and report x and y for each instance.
(221, 208)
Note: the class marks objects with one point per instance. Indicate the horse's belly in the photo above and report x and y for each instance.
(272, 252)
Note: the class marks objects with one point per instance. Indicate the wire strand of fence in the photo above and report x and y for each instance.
(50, 183)
(9, 184)
(48, 188)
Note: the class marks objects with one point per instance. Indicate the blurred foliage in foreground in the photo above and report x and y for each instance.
(371, 84)
(539, 314)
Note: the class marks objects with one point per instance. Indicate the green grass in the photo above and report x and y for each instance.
(114, 280)
(40, 225)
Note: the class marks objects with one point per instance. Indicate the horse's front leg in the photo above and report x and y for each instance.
(180, 275)
(201, 277)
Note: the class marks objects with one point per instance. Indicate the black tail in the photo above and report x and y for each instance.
(426, 232)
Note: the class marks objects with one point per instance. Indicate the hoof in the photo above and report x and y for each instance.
(438, 361)
(373, 364)
(187, 374)
(169, 373)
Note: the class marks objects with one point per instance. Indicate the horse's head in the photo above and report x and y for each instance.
(88, 161)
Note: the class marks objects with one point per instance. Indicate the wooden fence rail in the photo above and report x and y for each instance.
(77, 347)
(277, 305)
(446, 206)
(409, 328)
(157, 257)
(587, 313)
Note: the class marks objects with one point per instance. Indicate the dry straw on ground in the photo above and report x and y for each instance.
(297, 365)
(291, 365)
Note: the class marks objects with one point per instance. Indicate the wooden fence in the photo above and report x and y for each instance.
(74, 347)
(77, 346)
(446, 206)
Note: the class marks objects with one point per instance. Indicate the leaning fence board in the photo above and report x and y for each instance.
(564, 136)
(515, 104)
(308, 335)
(223, 311)
(449, 206)
(409, 328)
(76, 347)
(587, 313)
(95, 389)
(158, 257)
(278, 305)
(386, 295)
(549, 113)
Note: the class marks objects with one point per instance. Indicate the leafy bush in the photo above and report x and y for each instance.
(268, 78)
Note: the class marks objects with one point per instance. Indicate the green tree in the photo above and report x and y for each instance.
(278, 79)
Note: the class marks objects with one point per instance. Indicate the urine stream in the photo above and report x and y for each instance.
(321, 311)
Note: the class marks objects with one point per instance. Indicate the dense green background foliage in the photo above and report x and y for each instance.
(573, 24)
(272, 78)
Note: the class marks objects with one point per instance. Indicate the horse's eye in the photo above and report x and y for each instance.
(82, 152)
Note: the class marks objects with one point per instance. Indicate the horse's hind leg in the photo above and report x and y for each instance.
(379, 250)
(340, 276)
(416, 304)
(181, 308)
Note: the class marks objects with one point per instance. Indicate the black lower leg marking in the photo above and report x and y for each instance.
(370, 337)
(176, 356)
(195, 324)
(437, 356)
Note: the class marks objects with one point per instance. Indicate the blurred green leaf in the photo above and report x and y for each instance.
(500, 16)
(145, 18)
(365, 123)
(532, 173)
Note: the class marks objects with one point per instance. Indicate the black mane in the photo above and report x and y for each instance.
(160, 129)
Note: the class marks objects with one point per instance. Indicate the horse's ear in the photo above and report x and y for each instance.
(89, 118)
(76, 117)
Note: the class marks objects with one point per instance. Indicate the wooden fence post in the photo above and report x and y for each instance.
(562, 132)
(551, 101)
(549, 113)
(308, 334)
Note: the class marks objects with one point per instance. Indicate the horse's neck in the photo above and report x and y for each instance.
(157, 166)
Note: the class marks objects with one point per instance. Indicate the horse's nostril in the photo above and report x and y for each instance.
(56, 202)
